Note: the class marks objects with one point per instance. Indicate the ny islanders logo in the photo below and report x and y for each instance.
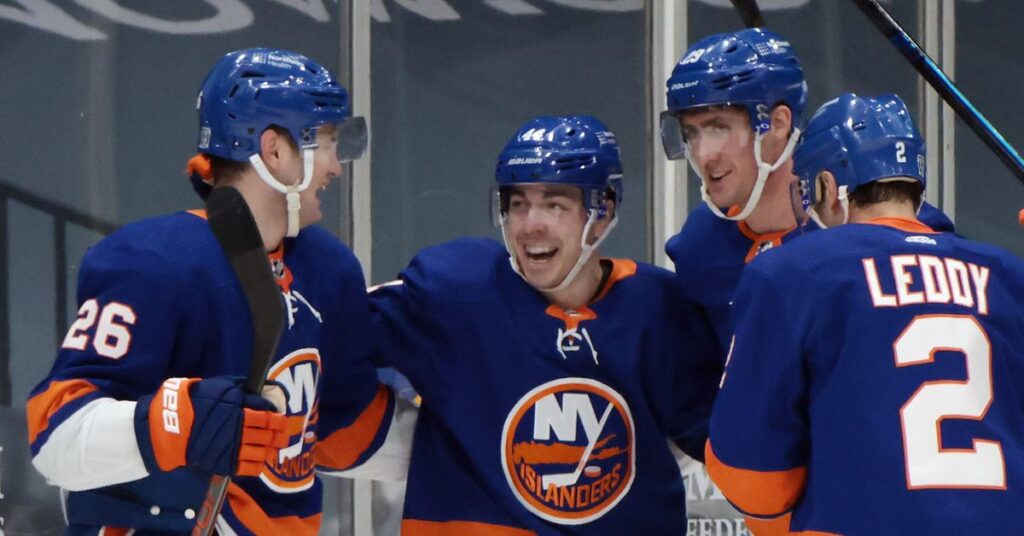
(568, 450)
(298, 374)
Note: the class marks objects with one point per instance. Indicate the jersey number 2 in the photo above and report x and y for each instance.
(928, 464)
(112, 338)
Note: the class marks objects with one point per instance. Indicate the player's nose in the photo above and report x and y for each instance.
(335, 169)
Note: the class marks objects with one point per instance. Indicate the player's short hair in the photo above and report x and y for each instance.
(882, 191)
(227, 171)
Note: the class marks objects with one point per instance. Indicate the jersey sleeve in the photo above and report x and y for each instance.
(357, 412)
(931, 216)
(405, 330)
(80, 423)
(759, 438)
(684, 376)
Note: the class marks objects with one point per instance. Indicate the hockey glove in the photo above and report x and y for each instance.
(210, 424)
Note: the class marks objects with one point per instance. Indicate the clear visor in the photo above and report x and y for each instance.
(592, 198)
(707, 139)
(496, 209)
(353, 137)
(348, 141)
(672, 136)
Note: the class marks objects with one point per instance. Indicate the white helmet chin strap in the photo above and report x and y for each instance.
(585, 250)
(291, 192)
(763, 170)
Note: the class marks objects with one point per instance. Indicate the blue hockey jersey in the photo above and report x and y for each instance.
(710, 252)
(158, 299)
(874, 385)
(709, 255)
(539, 420)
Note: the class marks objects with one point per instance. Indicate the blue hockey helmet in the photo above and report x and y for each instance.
(575, 150)
(250, 90)
(755, 69)
(859, 140)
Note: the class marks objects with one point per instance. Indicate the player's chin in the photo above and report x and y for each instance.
(543, 278)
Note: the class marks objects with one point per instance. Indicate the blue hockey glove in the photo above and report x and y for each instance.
(210, 424)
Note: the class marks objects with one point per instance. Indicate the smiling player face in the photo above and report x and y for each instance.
(720, 142)
(544, 225)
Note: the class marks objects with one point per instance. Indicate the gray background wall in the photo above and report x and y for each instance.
(97, 121)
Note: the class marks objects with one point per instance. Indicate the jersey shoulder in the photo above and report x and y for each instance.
(706, 241)
(321, 250)
(931, 216)
(163, 244)
(466, 269)
(700, 227)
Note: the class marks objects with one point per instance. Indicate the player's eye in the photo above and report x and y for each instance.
(558, 206)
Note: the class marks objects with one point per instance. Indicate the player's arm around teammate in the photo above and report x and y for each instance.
(552, 378)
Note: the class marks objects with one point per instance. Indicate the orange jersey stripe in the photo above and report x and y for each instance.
(57, 395)
(759, 239)
(778, 526)
(258, 522)
(903, 224)
(621, 269)
(419, 527)
(342, 448)
(764, 493)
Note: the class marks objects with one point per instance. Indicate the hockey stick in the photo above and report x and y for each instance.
(943, 85)
(568, 479)
(236, 232)
(749, 12)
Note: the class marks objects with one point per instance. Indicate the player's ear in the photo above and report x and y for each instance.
(270, 147)
(782, 120)
(829, 190)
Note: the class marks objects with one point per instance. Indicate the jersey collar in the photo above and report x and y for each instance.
(910, 225)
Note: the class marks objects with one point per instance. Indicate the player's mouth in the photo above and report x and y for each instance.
(713, 177)
(539, 253)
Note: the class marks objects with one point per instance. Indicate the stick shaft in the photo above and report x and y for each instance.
(943, 85)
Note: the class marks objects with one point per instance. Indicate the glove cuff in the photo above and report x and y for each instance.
(163, 422)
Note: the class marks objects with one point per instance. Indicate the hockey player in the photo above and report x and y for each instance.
(883, 396)
(735, 104)
(552, 379)
(144, 401)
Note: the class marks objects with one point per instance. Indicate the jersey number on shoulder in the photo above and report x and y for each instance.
(112, 337)
(929, 465)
